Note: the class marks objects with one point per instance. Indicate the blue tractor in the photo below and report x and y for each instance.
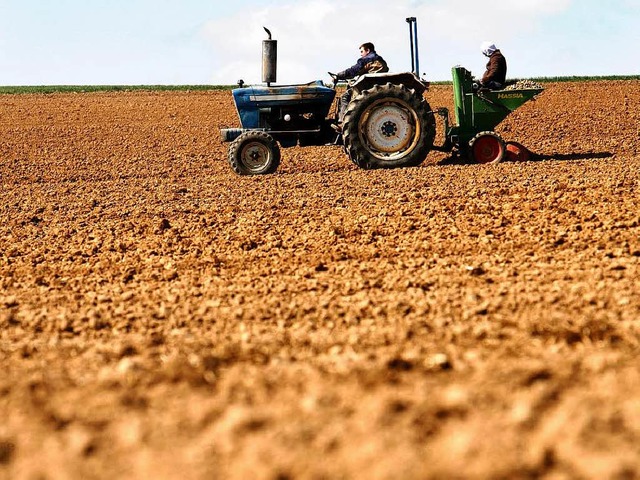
(387, 124)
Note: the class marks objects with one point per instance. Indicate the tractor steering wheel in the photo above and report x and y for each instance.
(334, 78)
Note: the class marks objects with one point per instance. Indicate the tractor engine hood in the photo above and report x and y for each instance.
(252, 101)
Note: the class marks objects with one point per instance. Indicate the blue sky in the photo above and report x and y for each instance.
(94, 42)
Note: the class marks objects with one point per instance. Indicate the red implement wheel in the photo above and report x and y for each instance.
(517, 152)
(487, 147)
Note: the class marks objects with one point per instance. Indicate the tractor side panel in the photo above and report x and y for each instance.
(248, 111)
(266, 107)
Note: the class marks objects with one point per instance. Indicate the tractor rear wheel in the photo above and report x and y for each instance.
(487, 147)
(388, 126)
(254, 153)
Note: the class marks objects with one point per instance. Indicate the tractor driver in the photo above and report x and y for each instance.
(496, 73)
(369, 62)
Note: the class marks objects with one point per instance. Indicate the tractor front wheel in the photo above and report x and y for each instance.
(254, 153)
(388, 126)
(487, 147)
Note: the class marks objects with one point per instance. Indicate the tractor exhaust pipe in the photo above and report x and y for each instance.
(413, 40)
(269, 59)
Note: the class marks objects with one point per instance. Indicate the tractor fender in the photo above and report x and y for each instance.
(408, 79)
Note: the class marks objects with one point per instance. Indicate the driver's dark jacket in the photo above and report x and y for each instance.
(370, 63)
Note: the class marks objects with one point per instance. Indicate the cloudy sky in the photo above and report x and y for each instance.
(131, 42)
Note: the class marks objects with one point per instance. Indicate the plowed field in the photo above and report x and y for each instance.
(161, 317)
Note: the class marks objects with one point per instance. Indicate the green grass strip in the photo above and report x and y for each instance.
(46, 89)
(560, 79)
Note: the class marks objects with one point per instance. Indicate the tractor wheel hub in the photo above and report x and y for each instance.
(389, 128)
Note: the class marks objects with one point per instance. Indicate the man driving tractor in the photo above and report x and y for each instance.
(369, 62)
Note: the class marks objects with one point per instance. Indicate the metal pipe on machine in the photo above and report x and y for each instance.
(413, 40)
(269, 59)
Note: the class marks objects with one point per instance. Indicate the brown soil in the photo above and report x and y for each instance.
(161, 317)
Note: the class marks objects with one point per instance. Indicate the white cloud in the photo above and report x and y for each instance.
(321, 35)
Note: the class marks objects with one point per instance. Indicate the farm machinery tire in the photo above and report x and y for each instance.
(388, 126)
(487, 147)
(254, 153)
(516, 152)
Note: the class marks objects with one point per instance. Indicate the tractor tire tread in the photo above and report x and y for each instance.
(358, 151)
(235, 153)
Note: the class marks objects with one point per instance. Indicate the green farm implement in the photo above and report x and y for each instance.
(478, 113)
